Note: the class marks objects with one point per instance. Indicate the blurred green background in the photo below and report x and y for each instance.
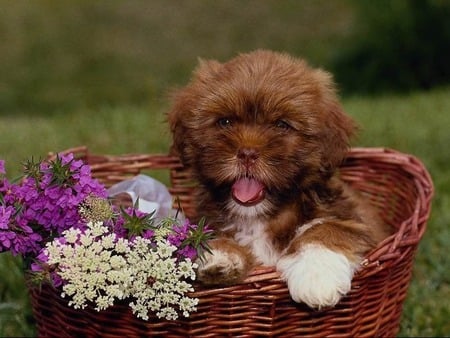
(98, 73)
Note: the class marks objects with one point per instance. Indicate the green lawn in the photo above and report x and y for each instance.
(416, 123)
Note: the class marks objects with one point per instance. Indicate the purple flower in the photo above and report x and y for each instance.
(148, 234)
(190, 239)
(180, 233)
(131, 222)
(188, 252)
(6, 239)
(41, 260)
(19, 240)
(2, 167)
(8, 192)
(5, 215)
(57, 281)
(45, 203)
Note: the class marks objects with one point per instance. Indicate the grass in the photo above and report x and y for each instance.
(416, 123)
(63, 56)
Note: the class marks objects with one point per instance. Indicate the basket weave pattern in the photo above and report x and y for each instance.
(397, 184)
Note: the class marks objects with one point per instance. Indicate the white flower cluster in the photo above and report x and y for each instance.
(97, 267)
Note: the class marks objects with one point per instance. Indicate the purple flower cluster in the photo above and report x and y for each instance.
(180, 238)
(131, 222)
(44, 203)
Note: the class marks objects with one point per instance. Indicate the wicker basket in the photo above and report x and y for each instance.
(396, 183)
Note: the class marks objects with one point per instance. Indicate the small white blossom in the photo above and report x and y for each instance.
(98, 267)
(117, 262)
(97, 228)
(168, 313)
(86, 239)
(165, 250)
(161, 233)
(104, 302)
(121, 246)
(108, 241)
(72, 235)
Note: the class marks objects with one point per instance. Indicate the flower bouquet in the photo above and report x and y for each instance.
(70, 234)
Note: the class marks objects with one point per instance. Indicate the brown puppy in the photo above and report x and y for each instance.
(264, 135)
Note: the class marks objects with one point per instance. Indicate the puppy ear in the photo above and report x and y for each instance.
(174, 119)
(207, 69)
(339, 128)
(185, 100)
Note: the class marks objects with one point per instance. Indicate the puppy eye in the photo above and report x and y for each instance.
(282, 125)
(224, 122)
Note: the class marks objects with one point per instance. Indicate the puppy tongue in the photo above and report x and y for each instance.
(248, 191)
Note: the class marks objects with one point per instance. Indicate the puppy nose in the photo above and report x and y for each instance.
(247, 156)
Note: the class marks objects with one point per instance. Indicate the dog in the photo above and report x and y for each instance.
(264, 135)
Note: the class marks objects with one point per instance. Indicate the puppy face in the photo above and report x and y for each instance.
(259, 129)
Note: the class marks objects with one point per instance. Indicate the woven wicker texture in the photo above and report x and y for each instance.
(397, 184)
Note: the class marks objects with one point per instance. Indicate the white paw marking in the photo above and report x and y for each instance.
(317, 275)
(223, 260)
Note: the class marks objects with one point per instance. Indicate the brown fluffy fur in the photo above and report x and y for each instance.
(271, 117)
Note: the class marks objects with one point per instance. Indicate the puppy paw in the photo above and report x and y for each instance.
(317, 276)
(222, 267)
